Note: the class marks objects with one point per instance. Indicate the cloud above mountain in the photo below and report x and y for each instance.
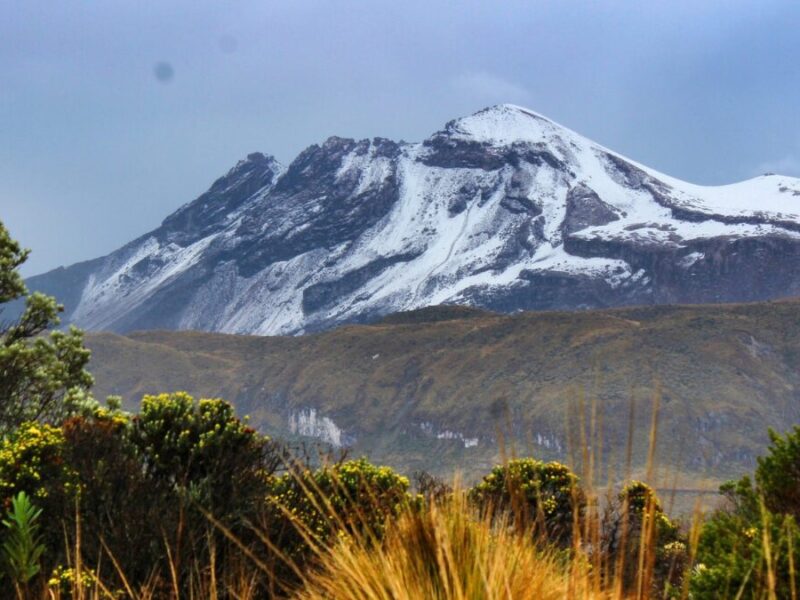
(487, 88)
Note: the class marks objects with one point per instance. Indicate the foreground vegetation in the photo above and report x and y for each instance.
(184, 500)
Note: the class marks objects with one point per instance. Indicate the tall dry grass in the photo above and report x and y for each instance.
(444, 551)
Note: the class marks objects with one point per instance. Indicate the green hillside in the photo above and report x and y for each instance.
(446, 388)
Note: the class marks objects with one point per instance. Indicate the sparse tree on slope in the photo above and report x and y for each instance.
(40, 374)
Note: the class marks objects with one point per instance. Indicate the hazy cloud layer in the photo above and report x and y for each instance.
(114, 113)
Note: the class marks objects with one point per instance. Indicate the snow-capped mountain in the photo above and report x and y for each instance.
(503, 209)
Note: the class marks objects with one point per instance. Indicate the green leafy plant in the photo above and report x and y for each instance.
(778, 473)
(641, 543)
(202, 448)
(41, 374)
(750, 547)
(32, 461)
(545, 496)
(194, 463)
(311, 508)
(22, 548)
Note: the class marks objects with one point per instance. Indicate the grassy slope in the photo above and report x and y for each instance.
(726, 374)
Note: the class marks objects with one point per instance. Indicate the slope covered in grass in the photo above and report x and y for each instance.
(443, 388)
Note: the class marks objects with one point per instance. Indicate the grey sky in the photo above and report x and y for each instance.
(96, 149)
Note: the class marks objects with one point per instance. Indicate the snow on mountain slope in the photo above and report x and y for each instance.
(503, 209)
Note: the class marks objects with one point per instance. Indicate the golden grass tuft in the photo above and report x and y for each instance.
(444, 551)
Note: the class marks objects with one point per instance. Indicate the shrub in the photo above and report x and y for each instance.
(32, 460)
(141, 487)
(198, 461)
(545, 496)
(202, 449)
(119, 509)
(640, 502)
(645, 548)
(778, 473)
(752, 544)
(40, 374)
(308, 509)
(744, 549)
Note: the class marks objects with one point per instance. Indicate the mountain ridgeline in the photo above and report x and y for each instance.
(504, 210)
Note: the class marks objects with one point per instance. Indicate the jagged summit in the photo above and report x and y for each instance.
(503, 209)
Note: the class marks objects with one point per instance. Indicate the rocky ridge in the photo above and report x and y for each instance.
(503, 209)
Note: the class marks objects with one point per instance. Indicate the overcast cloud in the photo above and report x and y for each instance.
(113, 114)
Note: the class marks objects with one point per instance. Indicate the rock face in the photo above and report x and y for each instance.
(503, 209)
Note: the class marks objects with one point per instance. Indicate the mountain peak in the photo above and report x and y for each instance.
(503, 209)
(504, 124)
(507, 108)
